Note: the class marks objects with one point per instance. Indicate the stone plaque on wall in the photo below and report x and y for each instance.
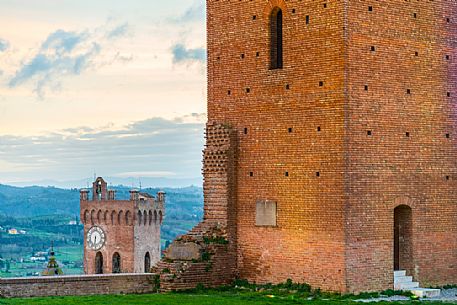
(183, 251)
(266, 213)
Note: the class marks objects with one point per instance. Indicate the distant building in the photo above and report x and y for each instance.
(53, 268)
(13, 232)
(121, 236)
(38, 259)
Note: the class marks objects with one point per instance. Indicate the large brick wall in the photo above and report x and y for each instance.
(399, 51)
(290, 126)
(78, 285)
(355, 124)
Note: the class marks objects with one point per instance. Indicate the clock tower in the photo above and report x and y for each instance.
(120, 236)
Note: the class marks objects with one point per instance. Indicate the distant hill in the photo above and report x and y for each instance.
(183, 207)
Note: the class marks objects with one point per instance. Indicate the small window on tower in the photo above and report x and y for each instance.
(276, 60)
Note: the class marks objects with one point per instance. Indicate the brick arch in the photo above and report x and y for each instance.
(119, 217)
(99, 216)
(402, 200)
(113, 217)
(86, 216)
(140, 218)
(92, 217)
(106, 217)
(271, 5)
(128, 218)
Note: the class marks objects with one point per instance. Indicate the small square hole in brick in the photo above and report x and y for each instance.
(448, 57)
(293, 11)
(245, 131)
(408, 91)
(254, 17)
(290, 130)
(416, 53)
(415, 15)
(286, 174)
(248, 90)
(242, 56)
(319, 129)
(407, 134)
(448, 20)
(325, 5)
(251, 174)
(257, 54)
(448, 94)
(307, 19)
(370, 8)
(448, 135)
(373, 48)
(318, 174)
(229, 92)
(369, 132)
(448, 178)
(366, 87)
(321, 84)
(287, 86)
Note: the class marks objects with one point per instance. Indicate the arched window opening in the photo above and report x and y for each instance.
(92, 217)
(99, 263)
(113, 217)
(160, 217)
(155, 217)
(150, 217)
(276, 49)
(119, 218)
(116, 263)
(127, 218)
(99, 216)
(86, 216)
(147, 263)
(145, 217)
(140, 218)
(106, 217)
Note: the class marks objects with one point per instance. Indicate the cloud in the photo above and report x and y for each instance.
(118, 31)
(4, 45)
(155, 147)
(62, 54)
(197, 12)
(181, 54)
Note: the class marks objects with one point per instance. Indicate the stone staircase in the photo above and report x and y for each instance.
(406, 283)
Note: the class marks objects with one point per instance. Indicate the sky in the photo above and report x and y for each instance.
(113, 88)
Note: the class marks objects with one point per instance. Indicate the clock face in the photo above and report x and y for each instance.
(95, 238)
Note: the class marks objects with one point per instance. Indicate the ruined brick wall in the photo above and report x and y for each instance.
(290, 126)
(401, 138)
(207, 254)
(77, 285)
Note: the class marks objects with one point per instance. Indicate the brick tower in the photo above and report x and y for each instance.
(343, 121)
(120, 236)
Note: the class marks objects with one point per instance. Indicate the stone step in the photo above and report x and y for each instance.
(426, 292)
(399, 273)
(403, 279)
(406, 286)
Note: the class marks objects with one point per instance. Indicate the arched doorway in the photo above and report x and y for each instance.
(147, 263)
(116, 263)
(403, 239)
(99, 263)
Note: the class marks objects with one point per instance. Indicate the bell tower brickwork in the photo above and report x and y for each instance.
(359, 118)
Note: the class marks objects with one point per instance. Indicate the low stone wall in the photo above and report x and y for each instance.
(77, 285)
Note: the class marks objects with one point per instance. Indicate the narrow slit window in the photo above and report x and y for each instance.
(276, 60)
